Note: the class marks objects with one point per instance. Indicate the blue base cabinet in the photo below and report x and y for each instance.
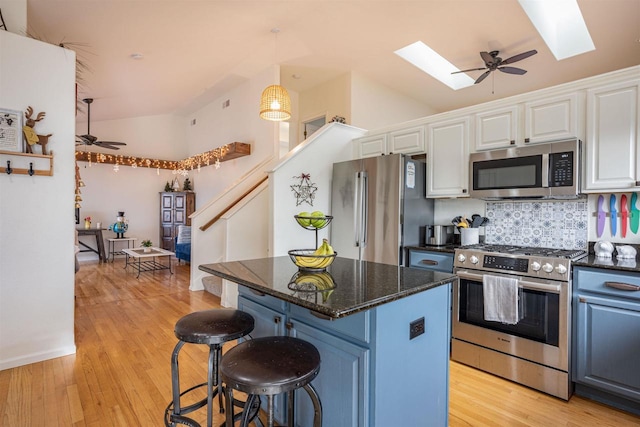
(372, 373)
(606, 342)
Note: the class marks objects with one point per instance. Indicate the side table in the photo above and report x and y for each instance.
(112, 244)
(97, 233)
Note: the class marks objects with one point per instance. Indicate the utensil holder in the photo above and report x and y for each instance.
(469, 236)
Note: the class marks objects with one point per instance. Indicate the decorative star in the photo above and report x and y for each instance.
(305, 190)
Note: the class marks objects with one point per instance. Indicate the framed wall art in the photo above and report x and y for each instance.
(11, 131)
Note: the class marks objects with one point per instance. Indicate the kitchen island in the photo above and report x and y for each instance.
(382, 331)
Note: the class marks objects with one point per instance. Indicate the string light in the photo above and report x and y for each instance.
(180, 167)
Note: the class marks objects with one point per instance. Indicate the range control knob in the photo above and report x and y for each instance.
(473, 259)
(547, 268)
(535, 266)
(462, 258)
(561, 269)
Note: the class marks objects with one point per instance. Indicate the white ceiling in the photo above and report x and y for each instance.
(194, 51)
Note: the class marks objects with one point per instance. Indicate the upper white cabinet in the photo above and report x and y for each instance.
(612, 159)
(408, 141)
(552, 119)
(371, 146)
(448, 158)
(496, 128)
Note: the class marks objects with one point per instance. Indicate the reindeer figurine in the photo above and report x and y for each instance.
(30, 135)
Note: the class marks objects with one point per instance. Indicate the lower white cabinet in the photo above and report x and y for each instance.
(448, 158)
(612, 151)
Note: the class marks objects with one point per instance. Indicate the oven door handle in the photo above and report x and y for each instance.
(524, 284)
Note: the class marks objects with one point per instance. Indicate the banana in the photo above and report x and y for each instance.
(329, 248)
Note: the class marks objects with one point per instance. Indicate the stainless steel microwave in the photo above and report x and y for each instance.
(545, 171)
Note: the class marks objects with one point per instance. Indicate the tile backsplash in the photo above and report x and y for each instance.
(548, 224)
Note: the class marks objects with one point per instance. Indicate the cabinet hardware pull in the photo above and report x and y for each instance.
(429, 262)
(320, 315)
(622, 286)
(276, 319)
(582, 299)
(253, 291)
(464, 191)
(289, 326)
(637, 183)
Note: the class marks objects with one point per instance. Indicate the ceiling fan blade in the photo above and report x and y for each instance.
(519, 57)
(487, 58)
(109, 146)
(470, 69)
(110, 142)
(512, 70)
(482, 77)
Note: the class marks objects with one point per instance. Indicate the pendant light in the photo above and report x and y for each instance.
(275, 104)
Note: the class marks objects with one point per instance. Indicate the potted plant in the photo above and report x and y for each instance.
(146, 244)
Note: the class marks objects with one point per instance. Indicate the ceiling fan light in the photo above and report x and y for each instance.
(275, 104)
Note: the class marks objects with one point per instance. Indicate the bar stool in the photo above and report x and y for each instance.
(270, 366)
(211, 327)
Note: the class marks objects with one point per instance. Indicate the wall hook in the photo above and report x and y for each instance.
(9, 170)
(31, 171)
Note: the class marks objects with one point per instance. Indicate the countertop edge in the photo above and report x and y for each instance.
(334, 314)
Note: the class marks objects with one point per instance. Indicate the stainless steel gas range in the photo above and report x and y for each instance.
(534, 348)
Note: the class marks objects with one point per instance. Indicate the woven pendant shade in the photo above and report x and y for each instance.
(275, 104)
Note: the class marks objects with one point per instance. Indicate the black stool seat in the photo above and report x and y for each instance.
(213, 326)
(270, 366)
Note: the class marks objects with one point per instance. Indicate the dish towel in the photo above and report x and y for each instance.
(500, 299)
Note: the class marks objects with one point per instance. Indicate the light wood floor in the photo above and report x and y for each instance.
(120, 375)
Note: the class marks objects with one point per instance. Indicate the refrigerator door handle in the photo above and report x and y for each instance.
(357, 203)
(365, 208)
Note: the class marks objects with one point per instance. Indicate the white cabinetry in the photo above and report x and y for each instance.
(448, 158)
(407, 141)
(612, 159)
(497, 128)
(552, 119)
(371, 146)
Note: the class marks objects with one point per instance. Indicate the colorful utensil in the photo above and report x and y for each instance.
(601, 216)
(624, 212)
(613, 215)
(634, 214)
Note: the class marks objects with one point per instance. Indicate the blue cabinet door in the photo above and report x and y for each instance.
(268, 322)
(343, 381)
(608, 345)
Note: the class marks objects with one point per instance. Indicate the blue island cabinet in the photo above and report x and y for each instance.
(372, 373)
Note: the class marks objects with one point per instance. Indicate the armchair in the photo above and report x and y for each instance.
(183, 244)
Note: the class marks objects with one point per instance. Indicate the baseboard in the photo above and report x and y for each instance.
(37, 357)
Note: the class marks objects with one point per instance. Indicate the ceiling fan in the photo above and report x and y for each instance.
(89, 139)
(493, 62)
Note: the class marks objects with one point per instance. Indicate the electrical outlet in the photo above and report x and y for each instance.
(416, 328)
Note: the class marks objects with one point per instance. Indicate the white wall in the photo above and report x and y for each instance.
(374, 105)
(36, 213)
(330, 144)
(14, 13)
(328, 99)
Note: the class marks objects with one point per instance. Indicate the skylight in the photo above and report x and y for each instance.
(429, 61)
(561, 25)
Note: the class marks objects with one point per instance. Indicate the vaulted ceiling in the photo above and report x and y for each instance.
(194, 51)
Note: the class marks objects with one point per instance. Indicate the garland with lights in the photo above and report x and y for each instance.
(182, 167)
(212, 157)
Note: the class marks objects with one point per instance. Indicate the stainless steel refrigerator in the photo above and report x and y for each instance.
(379, 207)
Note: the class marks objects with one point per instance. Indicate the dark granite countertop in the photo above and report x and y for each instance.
(450, 248)
(613, 263)
(359, 285)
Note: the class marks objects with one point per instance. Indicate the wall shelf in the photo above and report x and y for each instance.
(26, 163)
